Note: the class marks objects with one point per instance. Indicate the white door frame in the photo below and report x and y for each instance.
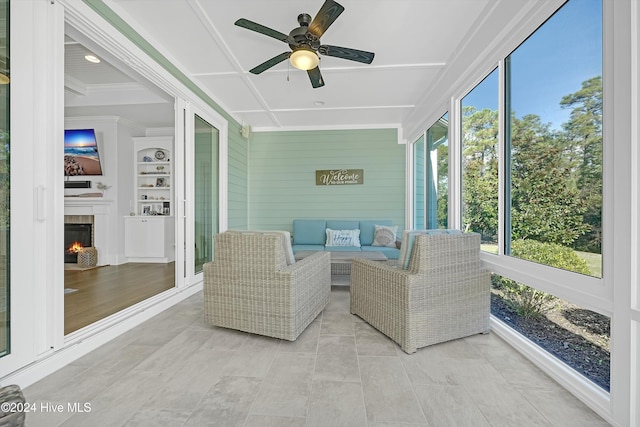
(186, 204)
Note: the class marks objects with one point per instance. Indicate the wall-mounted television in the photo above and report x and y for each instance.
(81, 156)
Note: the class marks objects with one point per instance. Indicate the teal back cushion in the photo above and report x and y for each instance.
(367, 230)
(342, 224)
(309, 231)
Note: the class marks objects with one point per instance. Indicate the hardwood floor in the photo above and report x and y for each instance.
(106, 290)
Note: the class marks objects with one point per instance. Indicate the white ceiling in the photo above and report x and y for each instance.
(413, 41)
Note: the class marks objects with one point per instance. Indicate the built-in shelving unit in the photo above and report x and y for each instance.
(154, 176)
(149, 231)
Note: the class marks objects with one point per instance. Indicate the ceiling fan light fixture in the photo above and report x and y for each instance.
(4, 78)
(304, 59)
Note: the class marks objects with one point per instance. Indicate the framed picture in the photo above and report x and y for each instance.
(160, 182)
(146, 210)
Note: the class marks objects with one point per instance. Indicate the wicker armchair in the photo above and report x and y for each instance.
(250, 286)
(443, 295)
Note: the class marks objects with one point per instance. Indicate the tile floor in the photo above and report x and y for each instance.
(174, 370)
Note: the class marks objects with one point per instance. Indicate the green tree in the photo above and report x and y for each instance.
(480, 172)
(443, 186)
(555, 177)
(583, 145)
(545, 204)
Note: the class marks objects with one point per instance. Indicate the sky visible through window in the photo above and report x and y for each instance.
(552, 63)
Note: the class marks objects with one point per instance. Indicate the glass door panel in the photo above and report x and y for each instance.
(418, 184)
(205, 169)
(437, 173)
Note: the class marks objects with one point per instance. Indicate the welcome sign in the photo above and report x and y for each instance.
(340, 177)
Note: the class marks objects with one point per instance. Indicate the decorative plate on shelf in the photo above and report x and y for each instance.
(159, 155)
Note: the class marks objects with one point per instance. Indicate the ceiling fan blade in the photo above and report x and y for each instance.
(346, 53)
(270, 63)
(316, 77)
(328, 13)
(258, 28)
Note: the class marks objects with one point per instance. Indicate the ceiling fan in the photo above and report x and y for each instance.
(304, 42)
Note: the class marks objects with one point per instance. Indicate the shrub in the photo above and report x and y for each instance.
(550, 254)
(529, 302)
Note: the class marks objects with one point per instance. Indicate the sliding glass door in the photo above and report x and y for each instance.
(205, 171)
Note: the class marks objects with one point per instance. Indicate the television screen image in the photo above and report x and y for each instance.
(81, 155)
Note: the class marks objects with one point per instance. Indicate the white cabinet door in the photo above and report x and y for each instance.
(149, 237)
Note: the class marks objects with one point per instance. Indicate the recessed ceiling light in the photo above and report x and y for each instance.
(92, 58)
(319, 103)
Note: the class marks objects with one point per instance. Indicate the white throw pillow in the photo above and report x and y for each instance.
(385, 235)
(343, 237)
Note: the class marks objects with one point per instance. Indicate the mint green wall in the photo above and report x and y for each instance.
(238, 183)
(282, 170)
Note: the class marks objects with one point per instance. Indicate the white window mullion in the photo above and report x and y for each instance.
(455, 164)
(502, 190)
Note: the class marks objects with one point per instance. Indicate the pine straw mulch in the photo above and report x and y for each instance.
(578, 337)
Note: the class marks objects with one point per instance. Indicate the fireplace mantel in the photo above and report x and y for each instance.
(86, 201)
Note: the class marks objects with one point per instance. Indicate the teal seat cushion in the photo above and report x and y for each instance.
(309, 231)
(342, 248)
(297, 248)
(367, 230)
(391, 253)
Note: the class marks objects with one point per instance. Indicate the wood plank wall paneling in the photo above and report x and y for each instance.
(238, 185)
(282, 176)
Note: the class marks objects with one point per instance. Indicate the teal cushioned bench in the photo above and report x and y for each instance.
(310, 234)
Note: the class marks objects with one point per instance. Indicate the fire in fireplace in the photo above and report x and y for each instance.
(76, 237)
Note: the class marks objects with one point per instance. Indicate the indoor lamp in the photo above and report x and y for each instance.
(304, 59)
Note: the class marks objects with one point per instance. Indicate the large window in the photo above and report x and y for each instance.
(479, 135)
(554, 142)
(553, 183)
(536, 194)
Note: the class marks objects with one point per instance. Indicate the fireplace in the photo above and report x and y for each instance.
(76, 236)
